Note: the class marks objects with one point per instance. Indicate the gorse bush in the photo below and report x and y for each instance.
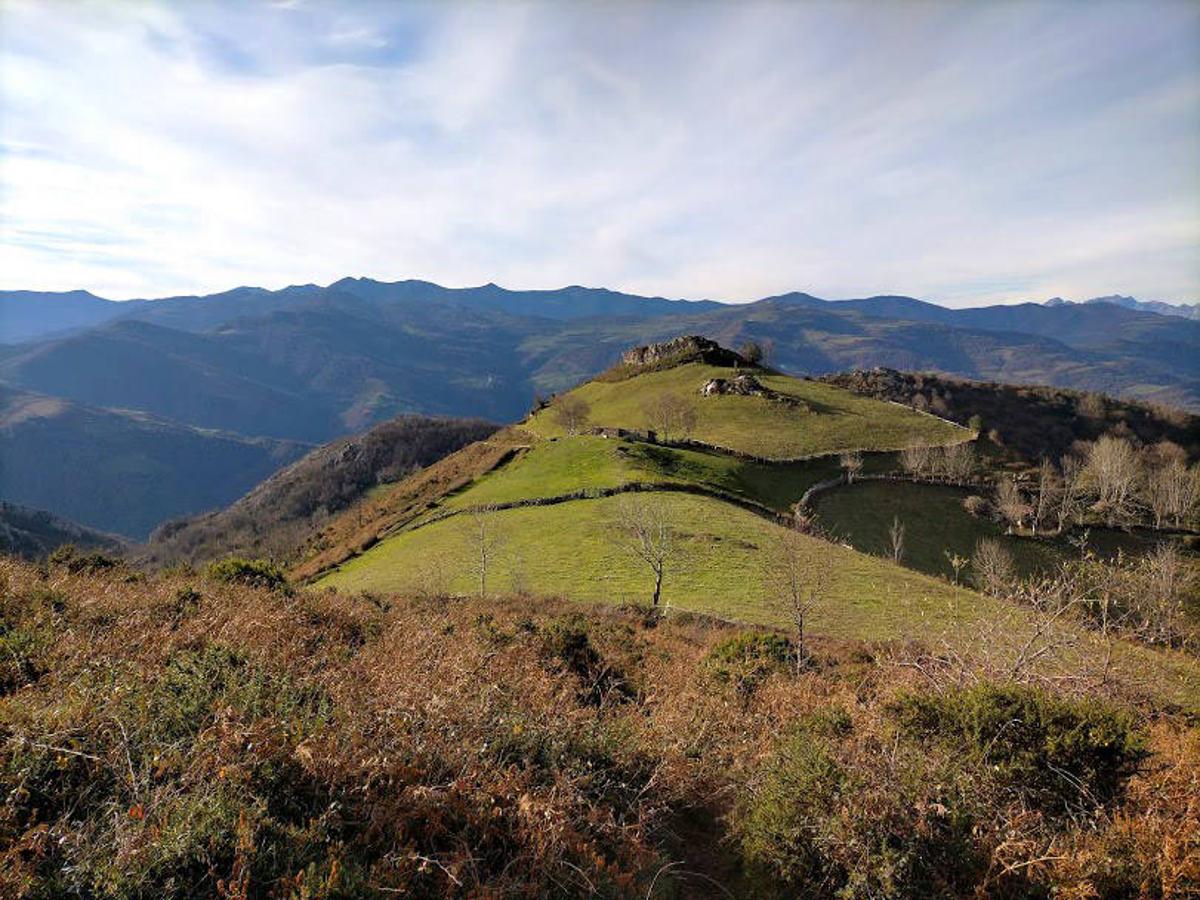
(823, 822)
(250, 572)
(1059, 754)
(746, 660)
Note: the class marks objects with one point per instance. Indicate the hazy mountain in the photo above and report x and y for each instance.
(1183, 310)
(119, 470)
(159, 408)
(310, 363)
(25, 315)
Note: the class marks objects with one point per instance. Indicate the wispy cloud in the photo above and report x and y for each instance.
(962, 152)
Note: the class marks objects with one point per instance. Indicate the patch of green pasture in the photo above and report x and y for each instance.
(832, 419)
(561, 466)
(935, 522)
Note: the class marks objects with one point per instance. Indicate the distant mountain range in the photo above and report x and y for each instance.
(1184, 310)
(248, 378)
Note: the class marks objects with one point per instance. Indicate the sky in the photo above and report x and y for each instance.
(964, 153)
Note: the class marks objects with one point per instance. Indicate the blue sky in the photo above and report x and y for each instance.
(960, 152)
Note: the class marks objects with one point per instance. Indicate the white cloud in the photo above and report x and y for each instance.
(963, 153)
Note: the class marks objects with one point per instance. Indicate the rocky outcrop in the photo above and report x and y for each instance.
(743, 384)
(688, 348)
(746, 385)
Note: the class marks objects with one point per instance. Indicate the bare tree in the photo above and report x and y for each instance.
(914, 459)
(644, 528)
(1071, 494)
(670, 415)
(957, 564)
(485, 541)
(958, 461)
(992, 567)
(852, 463)
(1171, 491)
(751, 352)
(1046, 493)
(571, 413)
(896, 539)
(799, 581)
(1112, 472)
(1010, 503)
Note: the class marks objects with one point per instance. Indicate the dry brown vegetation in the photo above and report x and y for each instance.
(364, 523)
(184, 736)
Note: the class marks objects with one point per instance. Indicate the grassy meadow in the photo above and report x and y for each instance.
(831, 420)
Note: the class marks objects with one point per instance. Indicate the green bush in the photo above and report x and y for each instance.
(76, 563)
(252, 572)
(747, 659)
(821, 823)
(1054, 751)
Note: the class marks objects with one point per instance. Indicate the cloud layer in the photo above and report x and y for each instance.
(961, 152)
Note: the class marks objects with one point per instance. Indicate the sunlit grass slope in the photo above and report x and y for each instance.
(561, 466)
(571, 550)
(830, 420)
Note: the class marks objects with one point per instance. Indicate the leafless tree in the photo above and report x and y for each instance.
(1171, 491)
(957, 564)
(1010, 502)
(1046, 492)
(852, 463)
(1112, 472)
(671, 415)
(643, 527)
(992, 567)
(896, 539)
(958, 461)
(914, 459)
(799, 581)
(571, 413)
(484, 540)
(1071, 495)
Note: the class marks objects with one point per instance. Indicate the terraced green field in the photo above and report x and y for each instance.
(561, 466)
(831, 420)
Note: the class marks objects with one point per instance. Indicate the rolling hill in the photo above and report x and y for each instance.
(275, 518)
(308, 364)
(551, 511)
(120, 470)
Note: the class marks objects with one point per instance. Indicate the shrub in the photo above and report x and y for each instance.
(748, 659)
(1055, 752)
(75, 562)
(250, 572)
(828, 820)
(977, 506)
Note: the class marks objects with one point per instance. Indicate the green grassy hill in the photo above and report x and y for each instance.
(551, 513)
(827, 419)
